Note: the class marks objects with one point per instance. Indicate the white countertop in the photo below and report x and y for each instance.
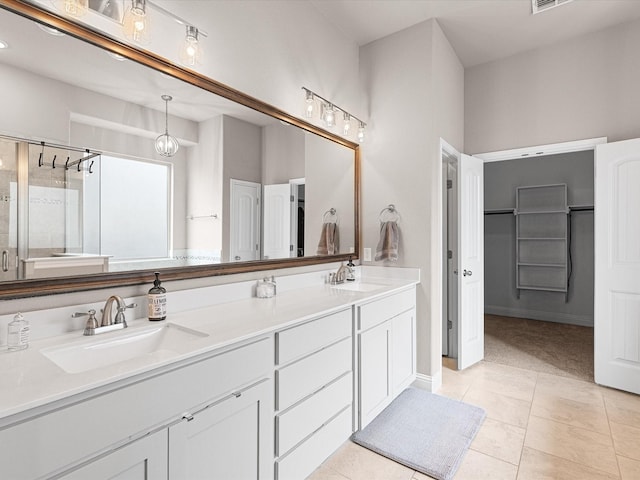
(30, 381)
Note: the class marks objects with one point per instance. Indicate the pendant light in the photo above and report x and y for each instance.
(166, 145)
(136, 22)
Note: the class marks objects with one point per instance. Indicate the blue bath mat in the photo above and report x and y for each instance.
(424, 431)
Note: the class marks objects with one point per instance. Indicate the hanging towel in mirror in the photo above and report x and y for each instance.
(328, 244)
(387, 248)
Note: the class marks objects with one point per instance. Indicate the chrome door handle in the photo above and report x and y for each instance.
(237, 257)
(467, 273)
(5, 260)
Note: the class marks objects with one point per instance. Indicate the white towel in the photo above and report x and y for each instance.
(328, 244)
(387, 248)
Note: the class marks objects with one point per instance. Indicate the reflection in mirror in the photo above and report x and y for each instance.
(243, 186)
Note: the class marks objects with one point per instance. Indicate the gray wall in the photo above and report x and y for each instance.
(415, 86)
(582, 88)
(501, 180)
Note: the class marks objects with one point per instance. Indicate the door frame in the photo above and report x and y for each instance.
(512, 154)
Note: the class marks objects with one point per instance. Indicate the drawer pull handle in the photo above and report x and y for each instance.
(188, 417)
(237, 394)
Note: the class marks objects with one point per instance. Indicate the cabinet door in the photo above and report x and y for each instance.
(144, 459)
(374, 351)
(403, 361)
(231, 439)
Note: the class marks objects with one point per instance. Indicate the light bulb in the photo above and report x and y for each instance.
(191, 49)
(74, 8)
(308, 113)
(361, 133)
(329, 115)
(136, 22)
(346, 127)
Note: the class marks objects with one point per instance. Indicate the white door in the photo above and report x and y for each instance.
(277, 221)
(617, 266)
(470, 261)
(244, 224)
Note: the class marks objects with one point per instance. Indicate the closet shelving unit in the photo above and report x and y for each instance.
(542, 238)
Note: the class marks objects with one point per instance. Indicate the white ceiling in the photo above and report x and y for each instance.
(480, 31)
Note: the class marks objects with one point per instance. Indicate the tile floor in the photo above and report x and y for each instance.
(538, 426)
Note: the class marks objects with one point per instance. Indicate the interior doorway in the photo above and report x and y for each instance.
(580, 211)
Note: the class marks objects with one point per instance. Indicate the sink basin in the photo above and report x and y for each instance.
(120, 346)
(357, 286)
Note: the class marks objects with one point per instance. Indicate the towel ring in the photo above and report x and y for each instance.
(389, 214)
(330, 216)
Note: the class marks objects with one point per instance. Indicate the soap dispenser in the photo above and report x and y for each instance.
(157, 300)
(18, 333)
(351, 271)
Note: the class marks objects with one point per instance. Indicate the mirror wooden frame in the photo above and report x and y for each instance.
(30, 288)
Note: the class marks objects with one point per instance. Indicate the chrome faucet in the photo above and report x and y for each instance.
(107, 312)
(340, 276)
(108, 323)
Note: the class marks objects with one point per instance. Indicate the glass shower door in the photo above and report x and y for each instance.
(8, 210)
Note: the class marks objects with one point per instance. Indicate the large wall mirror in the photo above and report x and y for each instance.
(87, 202)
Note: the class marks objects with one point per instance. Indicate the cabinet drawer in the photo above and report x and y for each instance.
(75, 433)
(306, 417)
(303, 460)
(376, 312)
(302, 378)
(303, 339)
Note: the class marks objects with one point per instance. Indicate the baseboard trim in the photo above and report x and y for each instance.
(569, 318)
(427, 382)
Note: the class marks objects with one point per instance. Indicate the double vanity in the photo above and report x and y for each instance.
(230, 386)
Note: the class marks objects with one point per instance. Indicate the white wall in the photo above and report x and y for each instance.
(414, 83)
(583, 88)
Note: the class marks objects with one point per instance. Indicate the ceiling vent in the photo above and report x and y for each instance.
(544, 5)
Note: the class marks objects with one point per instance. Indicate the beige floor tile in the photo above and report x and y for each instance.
(585, 447)
(626, 440)
(421, 476)
(454, 384)
(623, 407)
(500, 440)
(325, 473)
(569, 388)
(500, 407)
(478, 466)
(358, 463)
(505, 380)
(629, 469)
(591, 416)
(536, 465)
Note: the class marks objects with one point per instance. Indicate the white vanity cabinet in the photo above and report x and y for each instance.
(144, 459)
(225, 439)
(386, 351)
(122, 433)
(314, 392)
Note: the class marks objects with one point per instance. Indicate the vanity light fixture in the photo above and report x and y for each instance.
(346, 125)
(361, 126)
(75, 8)
(191, 48)
(166, 145)
(329, 114)
(136, 22)
(3, 45)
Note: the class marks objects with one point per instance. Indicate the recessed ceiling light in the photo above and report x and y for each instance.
(3, 45)
(116, 56)
(50, 30)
